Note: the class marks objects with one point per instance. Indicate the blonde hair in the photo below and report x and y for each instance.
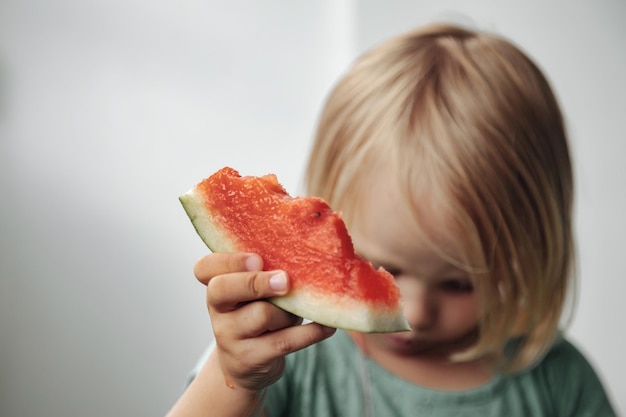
(469, 117)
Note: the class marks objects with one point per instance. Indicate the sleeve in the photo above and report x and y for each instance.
(576, 388)
(200, 363)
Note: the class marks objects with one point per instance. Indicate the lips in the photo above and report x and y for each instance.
(400, 340)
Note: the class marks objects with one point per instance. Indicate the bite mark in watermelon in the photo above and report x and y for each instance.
(330, 283)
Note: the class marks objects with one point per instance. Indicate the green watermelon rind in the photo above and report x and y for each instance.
(202, 220)
(338, 311)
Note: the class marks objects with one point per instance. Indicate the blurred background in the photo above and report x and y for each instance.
(109, 110)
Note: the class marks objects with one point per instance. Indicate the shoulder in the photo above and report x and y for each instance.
(564, 349)
(563, 353)
(573, 385)
(564, 359)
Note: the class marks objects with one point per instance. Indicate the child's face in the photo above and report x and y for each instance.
(439, 300)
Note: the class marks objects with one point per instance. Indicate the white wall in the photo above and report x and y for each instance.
(109, 110)
(114, 109)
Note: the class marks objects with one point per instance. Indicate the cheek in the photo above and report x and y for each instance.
(462, 312)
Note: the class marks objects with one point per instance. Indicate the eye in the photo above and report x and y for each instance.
(457, 286)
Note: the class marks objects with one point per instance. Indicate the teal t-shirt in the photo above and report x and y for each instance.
(333, 379)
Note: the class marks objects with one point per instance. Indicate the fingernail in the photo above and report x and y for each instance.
(254, 263)
(328, 330)
(278, 282)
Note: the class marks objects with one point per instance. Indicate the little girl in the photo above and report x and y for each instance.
(445, 151)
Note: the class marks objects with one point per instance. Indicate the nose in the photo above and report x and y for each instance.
(420, 306)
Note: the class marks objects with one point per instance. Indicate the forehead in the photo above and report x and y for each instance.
(401, 227)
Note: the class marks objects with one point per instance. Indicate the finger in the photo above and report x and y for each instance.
(292, 339)
(227, 292)
(263, 351)
(223, 263)
(254, 319)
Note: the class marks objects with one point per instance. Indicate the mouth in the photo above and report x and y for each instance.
(400, 340)
(432, 344)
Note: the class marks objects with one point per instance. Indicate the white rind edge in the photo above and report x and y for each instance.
(201, 219)
(342, 314)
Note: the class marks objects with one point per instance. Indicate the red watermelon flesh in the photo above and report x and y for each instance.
(330, 283)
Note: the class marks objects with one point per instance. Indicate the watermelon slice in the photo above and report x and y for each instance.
(330, 284)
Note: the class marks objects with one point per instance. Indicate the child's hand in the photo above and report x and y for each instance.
(252, 335)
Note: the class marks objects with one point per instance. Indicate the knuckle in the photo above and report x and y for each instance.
(256, 285)
(284, 346)
(218, 263)
(199, 269)
(214, 289)
(226, 342)
(236, 262)
(260, 313)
